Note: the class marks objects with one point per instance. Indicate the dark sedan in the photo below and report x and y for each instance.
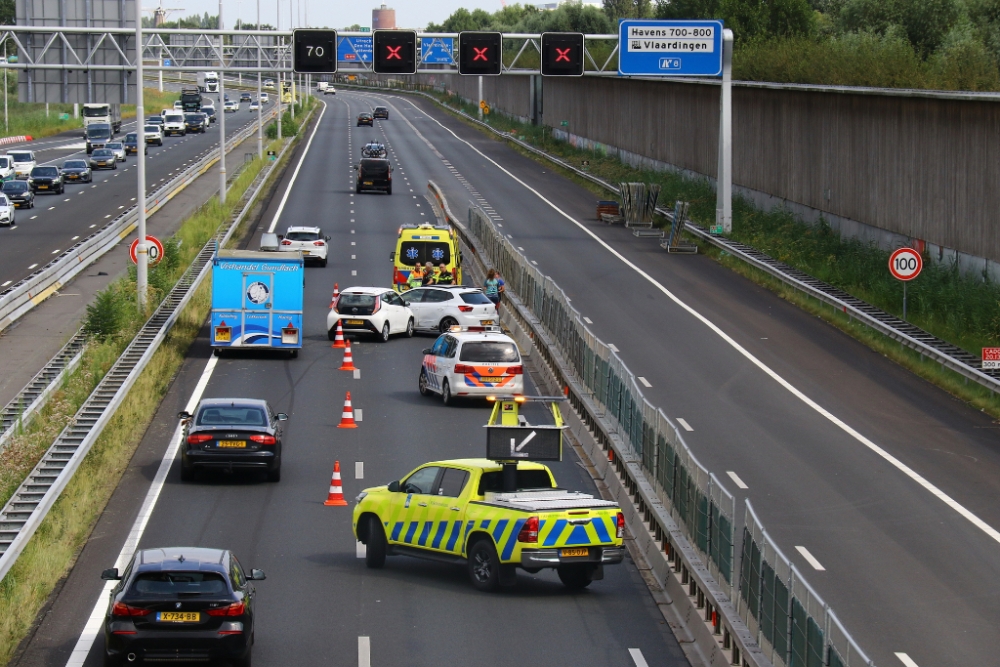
(194, 122)
(245, 97)
(209, 113)
(180, 604)
(47, 179)
(103, 158)
(132, 144)
(19, 194)
(77, 171)
(232, 433)
(381, 112)
(155, 120)
(366, 119)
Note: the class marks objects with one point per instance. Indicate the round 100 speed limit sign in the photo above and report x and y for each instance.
(905, 264)
(154, 250)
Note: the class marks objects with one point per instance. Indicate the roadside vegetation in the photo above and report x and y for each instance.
(961, 308)
(289, 126)
(924, 44)
(112, 320)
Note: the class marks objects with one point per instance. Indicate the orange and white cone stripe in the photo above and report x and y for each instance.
(347, 417)
(348, 364)
(336, 495)
(338, 340)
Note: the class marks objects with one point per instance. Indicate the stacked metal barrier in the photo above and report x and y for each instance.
(792, 624)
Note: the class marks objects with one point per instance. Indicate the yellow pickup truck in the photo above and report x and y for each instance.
(454, 511)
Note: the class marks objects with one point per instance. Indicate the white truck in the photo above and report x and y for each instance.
(208, 82)
(321, 86)
(102, 112)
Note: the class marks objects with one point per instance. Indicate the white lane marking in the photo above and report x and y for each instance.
(32, 266)
(353, 242)
(360, 550)
(6, 283)
(644, 381)
(836, 421)
(357, 414)
(736, 480)
(295, 174)
(637, 657)
(354, 272)
(56, 251)
(357, 373)
(364, 652)
(810, 558)
(354, 256)
(74, 238)
(588, 320)
(95, 623)
(612, 347)
(684, 424)
(359, 470)
(35, 216)
(906, 660)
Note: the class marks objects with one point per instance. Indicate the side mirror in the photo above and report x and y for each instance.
(257, 575)
(281, 236)
(184, 415)
(392, 256)
(427, 350)
(327, 238)
(282, 417)
(111, 574)
(355, 167)
(405, 302)
(393, 486)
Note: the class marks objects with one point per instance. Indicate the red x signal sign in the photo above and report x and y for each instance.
(562, 53)
(392, 53)
(480, 54)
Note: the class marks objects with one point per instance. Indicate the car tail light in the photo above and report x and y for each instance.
(378, 304)
(263, 439)
(319, 243)
(529, 531)
(515, 370)
(462, 369)
(122, 609)
(235, 609)
(286, 242)
(465, 309)
(620, 520)
(198, 438)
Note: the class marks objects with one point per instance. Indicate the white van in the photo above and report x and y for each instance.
(23, 162)
(6, 168)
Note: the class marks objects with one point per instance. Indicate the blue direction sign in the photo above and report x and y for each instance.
(354, 49)
(167, 62)
(669, 48)
(437, 50)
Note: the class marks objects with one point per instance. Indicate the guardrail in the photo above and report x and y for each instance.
(948, 355)
(24, 295)
(689, 513)
(29, 505)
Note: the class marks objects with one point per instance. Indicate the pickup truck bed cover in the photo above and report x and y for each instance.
(540, 501)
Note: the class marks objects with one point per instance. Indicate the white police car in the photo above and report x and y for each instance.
(472, 361)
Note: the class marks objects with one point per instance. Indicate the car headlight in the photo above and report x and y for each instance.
(361, 496)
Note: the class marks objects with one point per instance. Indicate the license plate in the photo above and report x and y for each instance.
(304, 252)
(74, 176)
(232, 444)
(492, 379)
(178, 616)
(574, 552)
(369, 182)
(43, 187)
(486, 322)
(355, 321)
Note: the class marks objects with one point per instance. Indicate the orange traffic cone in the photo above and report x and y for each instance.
(338, 340)
(336, 293)
(348, 364)
(336, 495)
(347, 418)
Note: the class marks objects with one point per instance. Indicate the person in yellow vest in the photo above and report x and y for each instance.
(416, 276)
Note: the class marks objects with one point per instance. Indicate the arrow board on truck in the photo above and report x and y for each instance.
(524, 443)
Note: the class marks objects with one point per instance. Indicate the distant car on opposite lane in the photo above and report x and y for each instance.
(209, 111)
(118, 148)
(103, 158)
(381, 113)
(254, 105)
(6, 168)
(47, 179)
(19, 193)
(365, 118)
(6, 211)
(23, 162)
(307, 240)
(231, 106)
(229, 433)
(194, 122)
(77, 171)
(173, 124)
(131, 143)
(191, 602)
(376, 310)
(153, 134)
(330, 90)
(155, 120)
(245, 97)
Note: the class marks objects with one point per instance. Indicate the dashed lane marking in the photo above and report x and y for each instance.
(684, 424)
(637, 657)
(736, 480)
(644, 381)
(810, 558)
(906, 660)
(359, 470)
(588, 320)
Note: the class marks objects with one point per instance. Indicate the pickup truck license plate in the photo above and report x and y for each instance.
(178, 616)
(574, 552)
(232, 444)
(355, 321)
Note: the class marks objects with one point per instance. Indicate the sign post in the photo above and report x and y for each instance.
(905, 264)
(688, 48)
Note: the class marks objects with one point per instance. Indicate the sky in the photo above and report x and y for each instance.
(330, 13)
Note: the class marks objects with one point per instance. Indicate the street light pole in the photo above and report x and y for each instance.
(260, 110)
(222, 115)
(278, 27)
(142, 249)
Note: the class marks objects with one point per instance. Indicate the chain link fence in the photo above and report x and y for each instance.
(792, 624)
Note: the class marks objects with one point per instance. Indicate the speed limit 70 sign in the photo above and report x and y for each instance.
(905, 264)
(314, 51)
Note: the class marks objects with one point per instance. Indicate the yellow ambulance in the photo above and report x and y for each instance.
(419, 244)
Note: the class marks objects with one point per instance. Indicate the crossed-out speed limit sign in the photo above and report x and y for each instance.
(154, 250)
(905, 264)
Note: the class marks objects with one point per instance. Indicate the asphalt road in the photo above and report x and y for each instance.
(319, 598)
(801, 414)
(58, 221)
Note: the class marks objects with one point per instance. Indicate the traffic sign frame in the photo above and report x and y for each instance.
(484, 39)
(314, 51)
(670, 48)
(562, 39)
(911, 255)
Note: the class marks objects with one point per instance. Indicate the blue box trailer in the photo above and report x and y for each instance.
(257, 300)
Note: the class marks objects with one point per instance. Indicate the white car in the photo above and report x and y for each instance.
(264, 99)
(376, 310)
(268, 83)
(307, 240)
(254, 105)
(178, 105)
(232, 106)
(173, 123)
(207, 102)
(153, 134)
(6, 211)
(118, 148)
(440, 307)
(330, 91)
(23, 162)
(6, 168)
(472, 361)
